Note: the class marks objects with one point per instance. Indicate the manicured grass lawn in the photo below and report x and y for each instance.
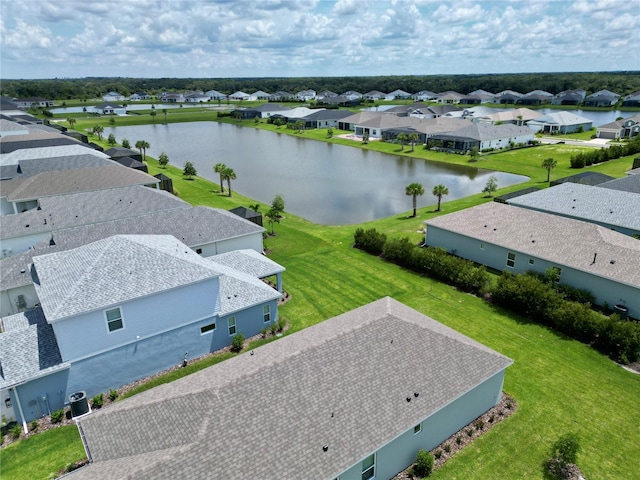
(560, 384)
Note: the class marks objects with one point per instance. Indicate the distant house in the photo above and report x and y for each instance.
(398, 95)
(477, 97)
(560, 122)
(266, 110)
(423, 95)
(215, 95)
(282, 96)
(136, 97)
(535, 97)
(631, 100)
(306, 95)
(121, 309)
(374, 95)
(507, 97)
(505, 237)
(370, 424)
(172, 97)
(482, 136)
(196, 97)
(448, 97)
(569, 97)
(239, 96)
(132, 163)
(121, 152)
(625, 127)
(326, 118)
(352, 95)
(584, 178)
(110, 109)
(260, 95)
(113, 97)
(601, 98)
(326, 94)
(32, 102)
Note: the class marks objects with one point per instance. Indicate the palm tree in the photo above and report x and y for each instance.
(97, 130)
(219, 168)
(153, 115)
(273, 216)
(164, 110)
(414, 190)
(71, 121)
(402, 138)
(549, 164)
(440, 191)
(413, 138)
(142, 145)
(229, 174)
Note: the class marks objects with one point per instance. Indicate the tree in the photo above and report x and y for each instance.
(125, 143)
(273, 217)
(329, 132)
(413, 138)
(255, 207)
(164, 111)
(97, 130)
(153, 115)
(163, 160)
(71, 121)
(229, 174)
(440, 191)
(219, 168)
(277, 203)
(549, 164)
(112, 139)
(142, 145)
(413, 190)
(365, 137)
(491, 186)
(189, 170)
(474, 152)
(402, 138)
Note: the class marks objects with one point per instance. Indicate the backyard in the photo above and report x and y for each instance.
(559, 384)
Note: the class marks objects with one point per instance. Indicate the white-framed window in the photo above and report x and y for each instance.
(531, 261)
(482, 246)
(417, 429)
(207, 328)
(369, 467)
(511, 259)
(266, 313)
(231, 323)
(114, 319)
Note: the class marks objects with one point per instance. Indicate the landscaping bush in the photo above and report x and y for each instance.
(370, 240)
(113, 394)
(57, 416)
(237, 342)
(33, 425)
(566, 448)
(97, 401)
(16, 431)
(424, 464)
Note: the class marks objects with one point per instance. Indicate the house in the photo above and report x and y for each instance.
(601, 98)
(631, 100)
(483, 136)
(30, 102)
(21, 194)
(424, 382)
(306, 95)
(239, 96)
(121, 309)
(535, 97)
(110, 109)
(326, 94)
(569, 97)
(507, 97)
(506, 237)
(352, 95)
(9, 128)
(132, 163)
(260, 95)
(113, 97)
(517, 116)
(423, 95)
(610, 208)
(477, 97)
(560, 122)
(448, 97)
(585, 178)
(196, 97)
(397, 95)
(282, 96)
(630, 183)
(326, 118)
(339, 100)
(34, 139)
(266, 110)
(28, 168)
(137, 96)
(172, 97)
(374, 95)
(215, 95)
(623, 128)
(76, 148)
(120, 152)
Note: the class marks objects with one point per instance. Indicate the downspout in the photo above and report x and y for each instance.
(24, 423)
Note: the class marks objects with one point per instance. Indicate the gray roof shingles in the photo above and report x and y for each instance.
(342, 383)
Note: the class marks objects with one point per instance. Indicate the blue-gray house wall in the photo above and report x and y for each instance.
(401, 452)
(495, 256)
(40, 397)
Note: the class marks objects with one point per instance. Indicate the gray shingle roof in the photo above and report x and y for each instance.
(558, 239)
(586, 202)
(630, 183)
(72, 181)
(250, 262)
(28, 348)
(342, 383)
(65, 211)
(114, 270)
(31, 167)
(487, 131)
(48, 152)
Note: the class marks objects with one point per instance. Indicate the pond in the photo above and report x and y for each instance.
(325, 183)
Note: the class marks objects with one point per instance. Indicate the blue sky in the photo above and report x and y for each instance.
(291, 38)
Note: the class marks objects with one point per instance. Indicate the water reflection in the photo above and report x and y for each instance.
(325, 183)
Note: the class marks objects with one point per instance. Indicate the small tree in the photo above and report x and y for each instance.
(189, 170)
(153, 115)
(237, 342)
(491, 186)
(330, 133)
(413, 190)
(98, 130)
(365, 137)
(112, 139)
(566, 448)
(163, 160)
(440, 191)
(71, 121)
(413, 138)
(549, 164)
(474, 152)
(164, 111)
(273, 217)
(424, 464)
(125, 143)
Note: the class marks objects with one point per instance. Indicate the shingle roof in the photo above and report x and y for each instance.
(341, 383)
(586, 202)
(47, 152)
(31, 167)
(65, 211)
(72, 181)
(487, 131)
(558, 239)
(248, 261)
(28, 348)
(561, 118)
(114, 270)
(585, 178)
(630, 183)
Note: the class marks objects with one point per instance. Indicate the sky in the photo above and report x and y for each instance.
(310, 38)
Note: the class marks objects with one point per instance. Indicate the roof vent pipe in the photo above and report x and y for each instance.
(594, 258)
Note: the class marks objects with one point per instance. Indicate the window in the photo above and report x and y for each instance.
(232, 325)
(199, 251)
(266, 314)
(369, 467)
(482, 246)
(531, 261)
(417, 428)
(207, 328)
(114, 319)
(511, 259)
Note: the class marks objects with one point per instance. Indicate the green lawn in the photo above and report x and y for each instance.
(560, 384)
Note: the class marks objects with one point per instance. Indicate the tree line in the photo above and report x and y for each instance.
(621, 82)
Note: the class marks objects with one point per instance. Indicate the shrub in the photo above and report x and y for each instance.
(282, 323)
(438, 454)
(33, 425)
(479, 425)
(447, 447)
(237, 342)
(424, 464)
(56, 417)
(97, 401)
(15, 431)
(264, 332)
(273, 328)
(566, 448)
(113, 394)
(458, 439)
(470, 432)
(370, 240)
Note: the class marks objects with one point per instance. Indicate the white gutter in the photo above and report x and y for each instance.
(24, 423)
